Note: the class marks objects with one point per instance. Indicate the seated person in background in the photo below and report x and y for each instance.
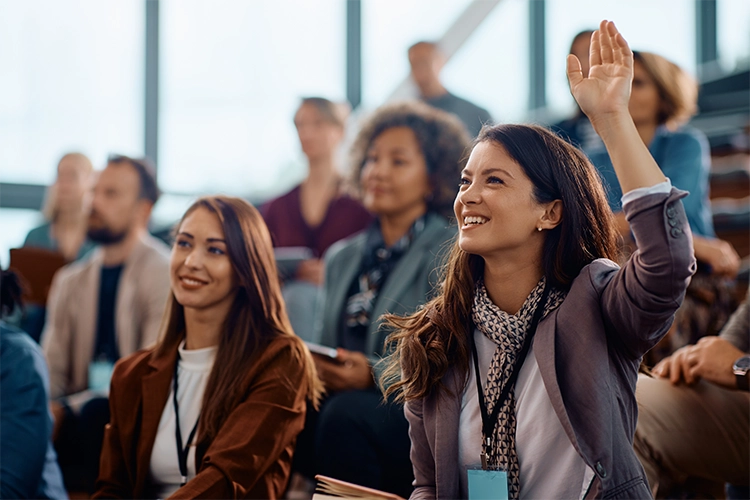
(406, 159)
(694, 416)
(213, 410)
(663, 98)
(104, 307)
(66, 209)
(426, 61)
(318, 212)
(577, 130)
(28, 464)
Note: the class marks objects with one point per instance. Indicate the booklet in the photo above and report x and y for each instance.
(329, 487)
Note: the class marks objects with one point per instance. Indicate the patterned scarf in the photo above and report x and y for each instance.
(508, 332)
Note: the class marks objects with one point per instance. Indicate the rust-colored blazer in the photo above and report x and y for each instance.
(251, 455)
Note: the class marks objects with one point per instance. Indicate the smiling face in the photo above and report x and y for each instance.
(317, 136)
(495, 208)
(201, 273)
(394, 177)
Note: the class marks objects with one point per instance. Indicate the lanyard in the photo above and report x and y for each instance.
(182, 453)
(490, 421)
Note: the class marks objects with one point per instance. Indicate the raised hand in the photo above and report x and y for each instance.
(606, 91)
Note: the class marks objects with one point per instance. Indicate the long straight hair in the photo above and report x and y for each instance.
(257, 316)
(434, 338)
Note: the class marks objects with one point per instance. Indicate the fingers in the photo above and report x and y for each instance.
(595, 50)
(662, 368)
(605, 43)
(575, 73)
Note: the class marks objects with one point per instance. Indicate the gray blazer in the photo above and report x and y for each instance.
(588, 351)
(409, 285)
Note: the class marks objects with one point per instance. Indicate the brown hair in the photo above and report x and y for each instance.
(257, 316)
(331, 112)
(149, 189)
(442, 139)
(678, 90)
(434, 338)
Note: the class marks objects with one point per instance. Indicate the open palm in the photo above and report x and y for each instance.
(607, 88)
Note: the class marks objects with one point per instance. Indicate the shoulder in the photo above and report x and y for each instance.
(152, 253)
(38, 236)
(70, 274)
(283, 357)
(684, 138)
(347, 247)
(21, 358)
(595, 274)
(16, 344)
(283, 200)
(438, 230)
(132, 367)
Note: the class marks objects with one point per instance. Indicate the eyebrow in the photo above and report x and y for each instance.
(210, 240)
(489, 171)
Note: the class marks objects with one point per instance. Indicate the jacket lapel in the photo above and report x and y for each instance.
(126, 309)
(447, 412)
(86, 332)
(336, 299)
(155, 389)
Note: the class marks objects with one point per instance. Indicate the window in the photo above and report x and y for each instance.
(733, 25)
(642, 22)
(232, 74)
(72, 79)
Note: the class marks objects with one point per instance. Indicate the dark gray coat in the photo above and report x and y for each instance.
(588, 351)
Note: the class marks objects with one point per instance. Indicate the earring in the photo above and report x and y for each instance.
(539, 229)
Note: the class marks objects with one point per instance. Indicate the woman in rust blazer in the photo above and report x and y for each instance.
(214, 409)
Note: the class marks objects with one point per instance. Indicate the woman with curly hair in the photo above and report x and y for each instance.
(406, 161)
(519, 377)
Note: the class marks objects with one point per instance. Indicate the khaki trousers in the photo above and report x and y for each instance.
(694, 435)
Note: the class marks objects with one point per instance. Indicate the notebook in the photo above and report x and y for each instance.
(329, 488)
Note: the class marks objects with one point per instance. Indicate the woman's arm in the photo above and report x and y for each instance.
(258, 433)
(422, 460)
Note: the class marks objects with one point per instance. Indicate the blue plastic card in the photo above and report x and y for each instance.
(100, 373)
(488, 484)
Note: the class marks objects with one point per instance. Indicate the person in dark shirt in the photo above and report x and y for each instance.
(426, 61)
(28, 464)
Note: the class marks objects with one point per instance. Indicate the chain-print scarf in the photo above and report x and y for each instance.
(508, 332)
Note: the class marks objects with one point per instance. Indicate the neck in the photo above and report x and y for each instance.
(647, 131)
(394, 227)
(509, 282)
(321, 171)
(203, 327)
(433, 90)
(118, 253)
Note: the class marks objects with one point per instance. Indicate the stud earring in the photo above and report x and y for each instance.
(539, 229)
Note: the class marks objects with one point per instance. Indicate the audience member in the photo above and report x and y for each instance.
(28, 464)
(318, 212)
(556, 408)
(66, 209)
(577, 130)
(102, 308)
(663, 98)
(426, 61)
(226, 385)
(405, 158)
(693, 418)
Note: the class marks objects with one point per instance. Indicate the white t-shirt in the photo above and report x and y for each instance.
(193, 371)
(550, 467)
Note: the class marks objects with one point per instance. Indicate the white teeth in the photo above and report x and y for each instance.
(192, 282)
(474, 220)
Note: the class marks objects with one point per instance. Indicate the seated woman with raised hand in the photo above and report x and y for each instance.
(527, 360)
(213, 410)
(406, 159)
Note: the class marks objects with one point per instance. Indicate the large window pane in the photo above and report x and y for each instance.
(666, 27)
(733, 19)
(492, 67)
(71, 79)
(232, 74)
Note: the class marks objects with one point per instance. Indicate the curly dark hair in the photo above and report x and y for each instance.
(442, 138)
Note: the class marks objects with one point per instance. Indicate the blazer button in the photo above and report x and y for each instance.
(672, 222)
(671, 211)
(675, 232)
(601, 470)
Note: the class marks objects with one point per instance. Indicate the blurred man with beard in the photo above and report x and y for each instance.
(102, 308)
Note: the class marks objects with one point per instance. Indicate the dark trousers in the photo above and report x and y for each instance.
(357, 437)
(79, 444)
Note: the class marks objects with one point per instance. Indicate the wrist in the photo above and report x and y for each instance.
(612, 123)
(741, 369)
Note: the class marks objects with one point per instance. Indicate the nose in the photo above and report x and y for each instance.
(193, 260)
(469, 195)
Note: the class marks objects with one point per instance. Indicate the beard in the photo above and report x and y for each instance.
(105, 236)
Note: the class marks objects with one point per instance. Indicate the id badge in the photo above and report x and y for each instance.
(100, 373)
(488, 484)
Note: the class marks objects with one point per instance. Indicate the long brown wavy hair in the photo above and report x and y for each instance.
(428, 342)
(257, 316)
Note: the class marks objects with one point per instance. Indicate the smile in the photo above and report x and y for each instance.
(474, 220)
(192, 281)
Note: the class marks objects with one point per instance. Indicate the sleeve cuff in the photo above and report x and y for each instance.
(661, 188)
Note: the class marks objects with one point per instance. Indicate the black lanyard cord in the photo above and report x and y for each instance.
(489, 421)
(182, 452)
